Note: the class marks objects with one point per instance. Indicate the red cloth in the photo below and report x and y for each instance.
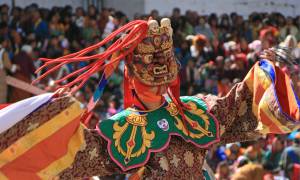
(265, 31)
(3, 106)
(296, 172)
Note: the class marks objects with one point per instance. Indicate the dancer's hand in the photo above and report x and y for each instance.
(62, 92)
(268, 54)
(280, 54)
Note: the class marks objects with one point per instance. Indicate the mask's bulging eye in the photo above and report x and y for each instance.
(147, 59)
(147, 40)
(165, 37)
(167, 53)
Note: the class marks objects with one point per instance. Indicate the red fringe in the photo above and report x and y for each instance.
(137, 32)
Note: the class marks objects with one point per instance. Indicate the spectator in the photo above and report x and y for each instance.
(16, 15)
(233, 151)
(79, 17)
(249, 171)
(223, 171)
(176, 19)
(23, 59)
(92, 12)
(40, 27)
(288, 29)
(274, 154)
(291, 155)
(294, 172)
(5, 65)
(203, 28)
(56, 28)
(71, 31)
(90, 30)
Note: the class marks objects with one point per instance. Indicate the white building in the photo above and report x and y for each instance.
(130, 7)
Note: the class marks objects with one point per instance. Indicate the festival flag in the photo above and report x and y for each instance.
(44, 149)
(272, 87)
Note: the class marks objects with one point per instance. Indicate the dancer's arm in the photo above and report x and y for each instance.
(264, 102)
(50, 141)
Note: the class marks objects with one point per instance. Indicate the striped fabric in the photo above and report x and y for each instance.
(108, 71)
(15, 112)
(45, 151)
(275, 103)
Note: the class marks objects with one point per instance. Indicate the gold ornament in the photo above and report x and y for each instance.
(175, 160)
(203, 131)
(200, 157)
(243, 109)
(189, 158)
(163, 162)
(137, 120)
(93, 154)
(172, 109)
(32, 126)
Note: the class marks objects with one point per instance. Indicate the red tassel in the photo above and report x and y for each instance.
(137, 32)
(174, 94)
(127, 96)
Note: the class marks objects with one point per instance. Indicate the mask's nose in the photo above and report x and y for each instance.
(159, 58)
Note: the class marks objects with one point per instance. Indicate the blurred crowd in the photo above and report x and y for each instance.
(215, 52)
(274, 157)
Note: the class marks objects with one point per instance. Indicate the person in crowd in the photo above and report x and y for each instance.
(204, 28)
(291, 155)
(249, 171)
(223, 171)
(5, 67)
(289, 29)
(215, 156)
(40, 26)
(79, 17)
(90, 30)
(273, 155)
(23, 59)
(56, 28)
(233, 151)
(255, 49)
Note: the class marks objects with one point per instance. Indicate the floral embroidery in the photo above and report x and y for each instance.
(175, 160)
(163, 162)
(189, 158)
(93, 154)
(200, 157)
(243, 109)
(32, 126)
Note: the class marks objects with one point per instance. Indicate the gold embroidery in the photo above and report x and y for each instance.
(195, 125)
(137, 120)
(172, 109)
(118, 132)
(200, 157)
(93, 153)
(158, 44)
(83, 146)
(242, 109)
(131, 142)
(32, 126)
(189, 158)
(175, 160)
(146, 142)
(163, 162)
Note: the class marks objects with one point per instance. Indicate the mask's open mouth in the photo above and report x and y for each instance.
(160, 70)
